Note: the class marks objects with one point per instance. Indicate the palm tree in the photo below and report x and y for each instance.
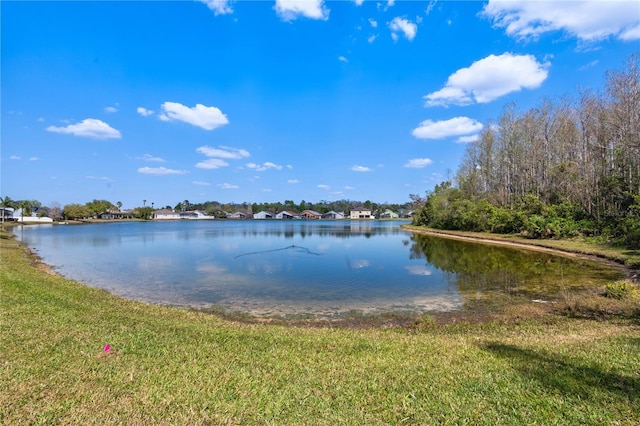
(119, 205)
(144, 203)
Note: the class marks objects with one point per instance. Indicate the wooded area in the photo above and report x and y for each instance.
(568, 167)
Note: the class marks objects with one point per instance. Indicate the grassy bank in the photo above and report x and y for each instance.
(172, 366)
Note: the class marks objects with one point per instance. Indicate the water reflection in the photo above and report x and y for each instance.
(317, 268)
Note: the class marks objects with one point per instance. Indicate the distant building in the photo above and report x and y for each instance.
(310, 214)
(288, 214)
(361, 213)
(333, 215)
(166, 214)
(237, 215)
(6, 213)
(389, 214)
(195, 214)
(263, 215)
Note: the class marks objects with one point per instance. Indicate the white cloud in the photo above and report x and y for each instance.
(212, 163)
(404, 26)
(322, 186)
(288, 10)
(144, 112)
(102, 178)
(343, 59)
(373, 23)
(458, 126)
(289, 166)
(361, 169)
(349, 188)
(372, 38)
(418, 163)
(468, 139)
(293, 181)
(200, 183)
(490, 78)
(160, 171)
(111, 109)
(264, 166)
(219, 7)
(150, 158)
(586, 20)
(90, 128)
(358, 2)
(389, 4)
(33, 158)
(14, 157)
(200, 115)
(266, 190)
(227, 186)
(224, 152)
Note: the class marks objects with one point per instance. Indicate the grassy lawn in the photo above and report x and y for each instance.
(174, 366)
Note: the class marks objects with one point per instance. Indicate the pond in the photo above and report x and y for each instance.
(318, 269)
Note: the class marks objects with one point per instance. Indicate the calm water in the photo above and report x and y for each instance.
(310, 268)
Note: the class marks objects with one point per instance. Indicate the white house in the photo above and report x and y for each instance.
(17, 216)
(165, 214)
(361, 213)
(263, 215)
(287, 214)
(333, 215)
(195, 214)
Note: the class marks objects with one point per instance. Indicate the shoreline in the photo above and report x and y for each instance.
(631, 273)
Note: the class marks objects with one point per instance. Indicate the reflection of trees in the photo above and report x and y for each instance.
(479, 269)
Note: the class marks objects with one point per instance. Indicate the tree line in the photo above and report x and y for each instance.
(564, 168)
(96, 207)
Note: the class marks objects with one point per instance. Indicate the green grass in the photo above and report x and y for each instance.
(173, 366)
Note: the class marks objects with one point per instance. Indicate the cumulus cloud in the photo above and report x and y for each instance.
(160, 171)
(343, 59)
(373, 23)
(223, 152)
(151, 158)
(219, 7)
(200, 183)
(418, 163)
(14, 157)
(585, 20)
(200, 115)
(402, 26)
(288, 10)
(458, 126)
(33, 158)
(227, 186)
(212, 163)
(323, 186)
(361, 169)
(144, 112)
(293, 181)
(264, 166)
(490, 78)
(111, 109)
(90, 128)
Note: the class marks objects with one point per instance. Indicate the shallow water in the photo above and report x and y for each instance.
(303, 268)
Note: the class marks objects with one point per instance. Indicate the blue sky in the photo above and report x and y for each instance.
(262, 101)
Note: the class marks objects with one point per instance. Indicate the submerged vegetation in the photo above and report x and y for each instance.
(564, 169)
